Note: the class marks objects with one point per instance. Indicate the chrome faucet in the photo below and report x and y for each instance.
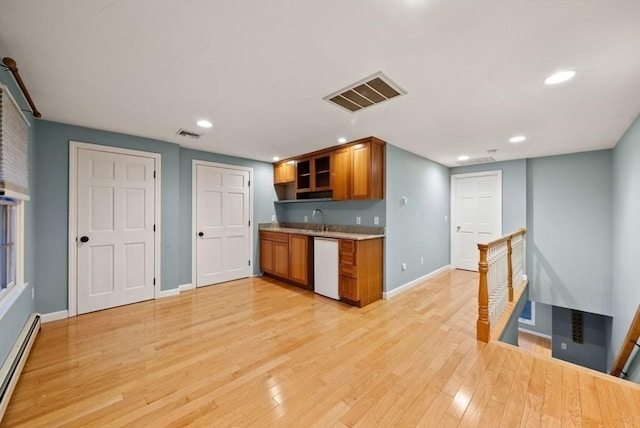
(313, 218)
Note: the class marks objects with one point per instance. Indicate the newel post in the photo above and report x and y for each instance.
(483, 328)
(509, 268)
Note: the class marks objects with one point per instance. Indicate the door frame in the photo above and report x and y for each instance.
(194, 164)
(454, 179)
(74, 147)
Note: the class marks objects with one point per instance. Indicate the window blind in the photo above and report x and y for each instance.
(14, 134)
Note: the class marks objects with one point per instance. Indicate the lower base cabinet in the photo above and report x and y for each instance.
(360, 270)
(288, 257)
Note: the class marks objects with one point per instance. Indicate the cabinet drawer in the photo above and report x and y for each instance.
(349, 289)
(274, 236)
(348, 270)
(347, 246)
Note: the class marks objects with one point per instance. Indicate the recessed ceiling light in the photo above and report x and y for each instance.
(342, 140)
(276, 158)
(559, 77)
(517, 139)
(202, 123)
(463, 158)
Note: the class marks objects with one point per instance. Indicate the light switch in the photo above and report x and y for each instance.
(376, 220)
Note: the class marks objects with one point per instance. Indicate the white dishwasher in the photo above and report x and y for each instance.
(325, 267)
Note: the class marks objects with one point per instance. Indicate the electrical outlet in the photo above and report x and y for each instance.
(376, 220)
(404, 266)
(306, 219)
(421, 260)
(273, 217)
(358, 219)
(563, 346)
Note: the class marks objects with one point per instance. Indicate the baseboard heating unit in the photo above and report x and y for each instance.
(12, 367)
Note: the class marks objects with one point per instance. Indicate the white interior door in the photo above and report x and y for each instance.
(115, 225)
(477, 215)
(222, 224)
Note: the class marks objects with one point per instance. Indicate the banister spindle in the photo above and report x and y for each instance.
(483, 327)
(509, 269)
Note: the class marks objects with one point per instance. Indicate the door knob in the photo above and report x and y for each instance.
(200, 233)
(84, 239)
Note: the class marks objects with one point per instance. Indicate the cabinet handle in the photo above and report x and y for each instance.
(200, 233)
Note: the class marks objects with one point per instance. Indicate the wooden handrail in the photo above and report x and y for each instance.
(630, 340)
(483, 325)
(520, 231)
(13, 67)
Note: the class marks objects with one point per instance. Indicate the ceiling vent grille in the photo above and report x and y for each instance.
(476, 161)
(188, 134)
(367, 92)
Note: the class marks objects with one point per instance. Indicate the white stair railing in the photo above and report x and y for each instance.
(502, 264)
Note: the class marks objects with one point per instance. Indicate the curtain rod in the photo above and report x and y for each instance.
(12, 66)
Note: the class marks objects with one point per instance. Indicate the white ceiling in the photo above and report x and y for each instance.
(473, 70)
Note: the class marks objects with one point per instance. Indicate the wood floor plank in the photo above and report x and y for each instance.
(257, 352)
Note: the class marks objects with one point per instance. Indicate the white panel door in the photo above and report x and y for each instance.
(476, 218)
(115, 216)
(222, 224)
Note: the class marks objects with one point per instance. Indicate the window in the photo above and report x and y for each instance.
(528, 315)
(14, 190)
(8, 226)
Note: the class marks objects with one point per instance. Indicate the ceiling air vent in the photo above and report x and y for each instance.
(476, 161)
(188, 134)
(369, 91)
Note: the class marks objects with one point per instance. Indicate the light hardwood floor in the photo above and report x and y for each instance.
(260, 353)
(536, 344)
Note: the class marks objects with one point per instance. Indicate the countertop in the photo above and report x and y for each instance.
(326, 234)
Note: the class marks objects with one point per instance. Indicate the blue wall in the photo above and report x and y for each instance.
(51, 223)
(626, 236)
(13, 320)
(263, 197)
(418, 229)
(543, 320)
(569, 215)
(514, 190)
(52, 154)
(592, 352)
(510, 332)
(335, 212)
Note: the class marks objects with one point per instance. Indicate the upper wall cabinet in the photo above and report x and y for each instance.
(359, 172)
(351, 171)
(284, 172)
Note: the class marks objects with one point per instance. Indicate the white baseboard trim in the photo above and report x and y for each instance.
(410, 284)
(186, 287)
(54, 316)
(534, 333)
(168, 293)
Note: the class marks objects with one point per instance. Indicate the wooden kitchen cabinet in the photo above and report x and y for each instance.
(284, 172)
(300, 260)
(288, 257)
(359, 170)
(355, 170)
(313, 174)
(274, 253)
(341, 174)
(367, 169)
(360, 271)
